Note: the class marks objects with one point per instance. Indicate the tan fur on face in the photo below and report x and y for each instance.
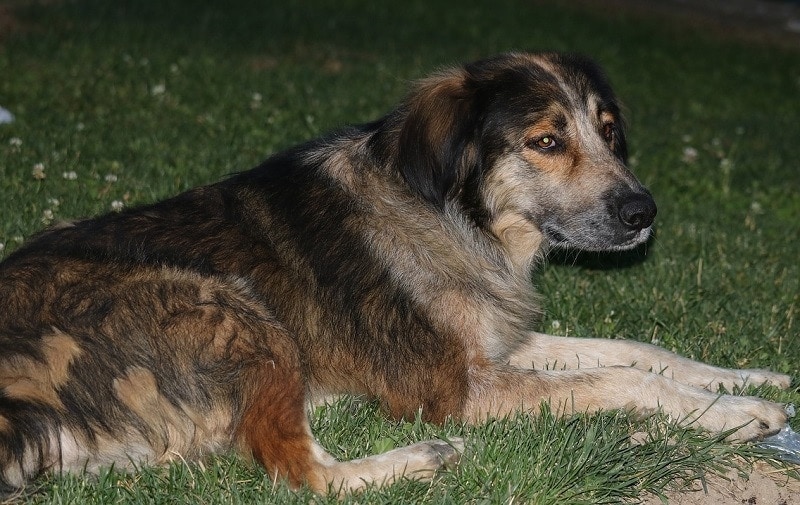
(521, 239)
(562, 162)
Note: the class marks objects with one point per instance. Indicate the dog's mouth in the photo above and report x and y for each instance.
(554, 236)
(595, 239)
(639, 237)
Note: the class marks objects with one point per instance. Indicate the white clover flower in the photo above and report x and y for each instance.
(158, 89)
(15, 142)
(255, 100)
(689, 154)
(117, 205)
(110, 178)
(2, 246)
(556, 324)
(70, 176)
(47, 216)
(38, 171)
(53, 202)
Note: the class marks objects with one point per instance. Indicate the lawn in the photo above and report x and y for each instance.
(121, 103)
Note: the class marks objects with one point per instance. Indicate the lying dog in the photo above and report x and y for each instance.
(390, 260)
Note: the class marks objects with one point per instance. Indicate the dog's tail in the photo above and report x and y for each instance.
(28, 438)
(33, 370)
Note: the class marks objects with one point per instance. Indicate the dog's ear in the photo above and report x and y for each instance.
(436, 149)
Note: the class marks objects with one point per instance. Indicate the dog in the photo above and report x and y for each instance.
(391, 260)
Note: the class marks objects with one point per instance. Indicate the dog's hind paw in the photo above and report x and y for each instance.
(423, 459)
(420, 461)
(448, 451)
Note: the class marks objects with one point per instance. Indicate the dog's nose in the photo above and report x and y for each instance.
(637, 211)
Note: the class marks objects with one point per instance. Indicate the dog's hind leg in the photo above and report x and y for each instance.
(275, 430)
(553, 352)
(181, 366)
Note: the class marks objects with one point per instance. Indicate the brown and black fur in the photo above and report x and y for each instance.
(390, 260)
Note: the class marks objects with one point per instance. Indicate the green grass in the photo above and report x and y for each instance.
(142, 99)
(581, 459)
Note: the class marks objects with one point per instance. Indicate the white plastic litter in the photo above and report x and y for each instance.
(6, 116)
(785, 443)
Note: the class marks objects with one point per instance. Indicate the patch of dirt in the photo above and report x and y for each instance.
(8, 22)
(765, 485)
(763, 21)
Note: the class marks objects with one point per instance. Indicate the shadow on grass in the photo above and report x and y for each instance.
(592, 260)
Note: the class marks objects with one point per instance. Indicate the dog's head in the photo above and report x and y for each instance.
(530, 142)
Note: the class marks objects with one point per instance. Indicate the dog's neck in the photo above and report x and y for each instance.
(522, 242)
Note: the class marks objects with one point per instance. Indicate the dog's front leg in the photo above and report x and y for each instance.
(552, 352)
(497, 391)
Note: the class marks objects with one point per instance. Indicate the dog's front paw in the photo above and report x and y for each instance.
(756, 377)
(731, 379)
(754, 417)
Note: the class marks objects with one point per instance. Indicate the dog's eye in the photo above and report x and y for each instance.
(609, 130)
(544, 143)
